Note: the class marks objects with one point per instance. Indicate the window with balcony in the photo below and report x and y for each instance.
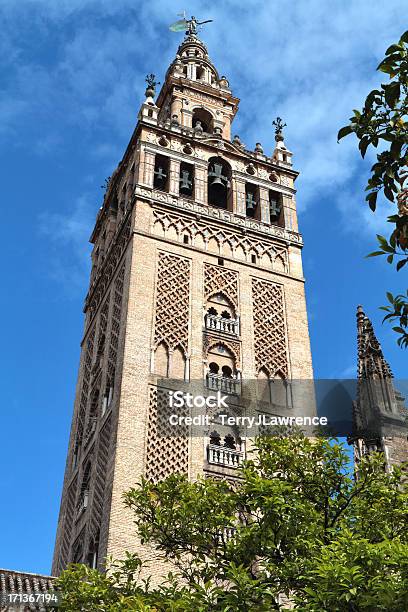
(227, 452)
(222, 375)
(220, 316)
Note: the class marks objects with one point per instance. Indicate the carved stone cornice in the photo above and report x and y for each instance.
(225, 216)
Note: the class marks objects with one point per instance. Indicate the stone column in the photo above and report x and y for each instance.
(200, 184)
(264, 205)
(147, 168)
(238, 186)
(289, 213)
(174, 183)
(175, 109)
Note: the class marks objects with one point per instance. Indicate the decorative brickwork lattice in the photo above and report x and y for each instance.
(165, 454)
(105, 275)
(116, 318)
(68, 522)
(269, 253)
(85, 389)
(269, 328)
(220, 280)
(172, 302)
(100, 477)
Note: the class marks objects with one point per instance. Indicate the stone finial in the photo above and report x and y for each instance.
(223, 82)
(151, 85)
(259, 148)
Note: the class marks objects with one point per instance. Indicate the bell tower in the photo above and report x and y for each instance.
(196, 276)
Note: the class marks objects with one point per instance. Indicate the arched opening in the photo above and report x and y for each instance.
(205, 119)
(226, 371)
(279, 391)
(161, 173)
(222, 375)
(275, 207)
(214, 367)
(251, 199)
(220, 315)
(200, 73)
(186, 179)
(161, 361)
(263, 388)
(219, 182)
(178, 364)
(92, 556)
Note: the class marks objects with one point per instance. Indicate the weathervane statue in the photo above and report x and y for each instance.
(190, 26)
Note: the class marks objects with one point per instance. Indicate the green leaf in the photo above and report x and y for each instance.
(390, 297)
(363, 144)
(344, 131)
(392, 93)
(375, 254)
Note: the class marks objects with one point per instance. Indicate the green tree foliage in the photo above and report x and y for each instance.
(383, 124)
(297, 523)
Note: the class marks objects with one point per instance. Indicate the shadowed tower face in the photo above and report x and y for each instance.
(196, 275)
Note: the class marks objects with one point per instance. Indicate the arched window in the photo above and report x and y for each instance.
(226, 371)
(205, 118)
(275, 207)
(212, 311)
(200, 73)
(214, 367)
(161, 173)
(219, 183)
(251, 199)
(161, 361)
(186, 179)
(92, 556)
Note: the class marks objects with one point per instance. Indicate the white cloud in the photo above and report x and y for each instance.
(81, 63)
(69, 234)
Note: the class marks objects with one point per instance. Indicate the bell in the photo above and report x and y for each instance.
(185, 182)
(160, 174)
(217, 176)
(250, 201)
(274, 208)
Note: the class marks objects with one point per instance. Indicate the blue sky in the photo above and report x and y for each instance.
(72, 80)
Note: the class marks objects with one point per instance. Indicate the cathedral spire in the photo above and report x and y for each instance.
(371, 362)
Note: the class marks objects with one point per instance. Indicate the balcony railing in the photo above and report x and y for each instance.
(222, 324)
(222, 455)
(218, 382)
